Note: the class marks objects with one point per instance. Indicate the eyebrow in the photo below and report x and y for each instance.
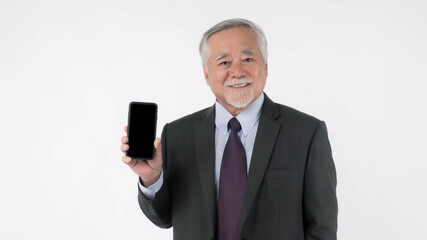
(221, 56)
(246, 51)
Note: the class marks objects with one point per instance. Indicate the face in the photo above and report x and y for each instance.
(236, 72)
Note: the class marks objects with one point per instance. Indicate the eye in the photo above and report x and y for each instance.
(224, 63)
(248, 60)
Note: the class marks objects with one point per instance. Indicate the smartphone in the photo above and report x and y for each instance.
(142, 124)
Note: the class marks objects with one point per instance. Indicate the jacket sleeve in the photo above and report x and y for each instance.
(319, 201)
(159, 210)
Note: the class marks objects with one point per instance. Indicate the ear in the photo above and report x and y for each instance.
(266, 68)
(205, 71)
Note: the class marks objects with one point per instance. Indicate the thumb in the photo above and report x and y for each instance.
(158, 147)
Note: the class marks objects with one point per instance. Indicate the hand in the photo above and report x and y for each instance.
(149, 171)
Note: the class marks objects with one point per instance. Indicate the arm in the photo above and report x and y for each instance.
(149, 172)
(159, 209)
(319, 201)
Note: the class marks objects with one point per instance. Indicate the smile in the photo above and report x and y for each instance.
(238, 82)
(239, 85)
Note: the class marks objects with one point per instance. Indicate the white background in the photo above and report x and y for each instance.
(68, 70)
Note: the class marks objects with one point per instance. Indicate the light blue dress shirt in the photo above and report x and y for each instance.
(249, 120)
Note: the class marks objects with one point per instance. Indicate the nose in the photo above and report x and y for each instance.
(237, 70)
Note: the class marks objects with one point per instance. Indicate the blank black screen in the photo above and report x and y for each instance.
(142, 130)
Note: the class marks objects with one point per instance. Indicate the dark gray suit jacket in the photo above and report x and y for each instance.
(290, 191)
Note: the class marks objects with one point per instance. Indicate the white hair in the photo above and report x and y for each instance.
(204, 48)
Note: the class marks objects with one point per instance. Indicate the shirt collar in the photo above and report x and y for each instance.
(247, 118)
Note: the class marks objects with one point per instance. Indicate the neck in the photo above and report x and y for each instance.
(234, 110)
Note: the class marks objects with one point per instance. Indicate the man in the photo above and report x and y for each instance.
(245, 168)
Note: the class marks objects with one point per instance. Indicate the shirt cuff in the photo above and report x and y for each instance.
(150, 191)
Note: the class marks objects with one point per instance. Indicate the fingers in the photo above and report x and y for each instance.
(149, 171)
(126, 129)
(156, 163)
(124, 148)
(126, 159)
(132, 163)
(158, 147)
(158, 144)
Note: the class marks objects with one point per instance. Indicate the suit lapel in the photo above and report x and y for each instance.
(265, 141)
(204, 140)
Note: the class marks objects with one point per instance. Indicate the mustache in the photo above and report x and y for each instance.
(238, 81)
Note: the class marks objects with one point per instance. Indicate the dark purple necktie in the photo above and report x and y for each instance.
(231, 185)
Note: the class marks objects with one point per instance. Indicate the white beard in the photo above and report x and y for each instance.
(239, 98)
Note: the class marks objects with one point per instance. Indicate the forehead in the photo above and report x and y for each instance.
(234, 38)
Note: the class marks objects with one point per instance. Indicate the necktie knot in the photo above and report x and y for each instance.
(234, 125)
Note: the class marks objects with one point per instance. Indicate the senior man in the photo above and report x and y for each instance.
(245, 168)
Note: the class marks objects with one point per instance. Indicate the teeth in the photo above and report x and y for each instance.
(238, 82)
(239, 85)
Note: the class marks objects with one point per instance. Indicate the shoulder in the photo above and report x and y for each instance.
(187, 123)
(293, 122)
(194, 117)
(292, 114)
(283, 113)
